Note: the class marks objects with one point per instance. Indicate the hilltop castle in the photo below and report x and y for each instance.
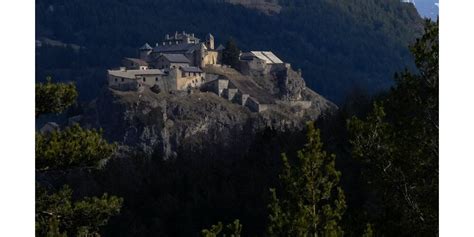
(179, 63)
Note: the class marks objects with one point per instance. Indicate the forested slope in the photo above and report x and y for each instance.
(339, 45)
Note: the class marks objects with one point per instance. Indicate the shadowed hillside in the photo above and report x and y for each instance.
(338, 45)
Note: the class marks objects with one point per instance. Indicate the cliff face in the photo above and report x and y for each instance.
(198, 123)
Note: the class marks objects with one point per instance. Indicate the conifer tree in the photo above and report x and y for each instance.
(57, 214)
(231, 54)
(310, 202)
(397, 145)
(231, 230)
(53, 97)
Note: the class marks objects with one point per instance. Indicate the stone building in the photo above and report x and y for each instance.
(260, 62)
(198, 53)
(145, 51)
(167, 61)
(186, 77)
(176, 78)
(134, 63)
(124, 79)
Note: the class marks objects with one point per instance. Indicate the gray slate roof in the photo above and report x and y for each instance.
(220, 47)
(176, 48)
(146, 46)
(176, 58)
(138, 61)
(132, 74)
(191, 69)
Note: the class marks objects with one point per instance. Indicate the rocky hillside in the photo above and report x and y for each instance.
(339, 45)
(266, 6)
(196, 122)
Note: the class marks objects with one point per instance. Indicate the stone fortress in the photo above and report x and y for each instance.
(182, 62)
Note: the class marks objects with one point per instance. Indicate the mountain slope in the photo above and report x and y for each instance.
(339, 45)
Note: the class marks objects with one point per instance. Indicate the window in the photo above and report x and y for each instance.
(156, 79)
(194, 74)
(122, 80)
(115, 79)
(144, 79)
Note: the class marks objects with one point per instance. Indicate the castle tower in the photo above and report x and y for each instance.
(210, 41)
(145, 51)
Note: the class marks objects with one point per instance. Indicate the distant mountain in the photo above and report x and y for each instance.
(339, 45)
(426, 8)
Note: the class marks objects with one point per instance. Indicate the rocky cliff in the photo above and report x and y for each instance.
(196, 123)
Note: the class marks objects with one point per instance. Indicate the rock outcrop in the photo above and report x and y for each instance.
(196, 123)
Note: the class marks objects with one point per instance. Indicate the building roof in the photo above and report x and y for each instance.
(176, 48)
(176, 58)
(146, 46)
(138, 61)
(267, 56)
(133, 74)
(220, 47)
(180, 36)
(191, 69)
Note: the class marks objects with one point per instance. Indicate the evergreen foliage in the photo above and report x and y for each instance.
(57, 214)
(232, 230)
(71, 147)
(398, 146)
(231, 54)
(57, 211)
(54, 97)
(311, 203)
(368, 231)
(337, 44)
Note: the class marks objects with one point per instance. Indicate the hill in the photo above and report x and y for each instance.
(339, 45)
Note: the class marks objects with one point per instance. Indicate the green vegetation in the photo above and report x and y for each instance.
(57, 213)
(71, 147)
(388, 154)
(231, 230)
(338, 45)
(54, 97)
(311, 201)
(397, 145)
(230, 55)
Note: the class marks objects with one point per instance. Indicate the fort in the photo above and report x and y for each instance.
(182, 62)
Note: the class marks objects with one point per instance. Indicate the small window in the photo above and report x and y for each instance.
(156, 79)
(144, 79)
(122, 79)
(194, 74)
(115, 79)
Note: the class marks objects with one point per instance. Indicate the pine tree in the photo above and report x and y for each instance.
(53, 97)
(397, 144)
(232, 230)
(57, 215)
(231, 54)
(310, 202)
(71, 147)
